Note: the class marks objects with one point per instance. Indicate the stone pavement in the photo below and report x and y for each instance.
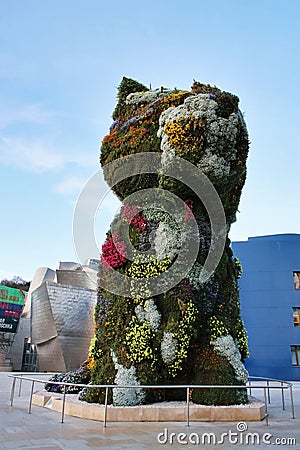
(42, 428)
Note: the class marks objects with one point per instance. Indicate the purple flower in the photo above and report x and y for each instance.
(131, 121)
(212, 96)
(102, 309)
(159, 99)
(114, 125)
(149, 111)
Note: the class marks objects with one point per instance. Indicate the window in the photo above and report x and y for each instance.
(295, 349)
(296, 314)
(296, 276)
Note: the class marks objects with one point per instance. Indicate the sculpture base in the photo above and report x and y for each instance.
(157, 412)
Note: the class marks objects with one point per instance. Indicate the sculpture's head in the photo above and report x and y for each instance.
(203, 126)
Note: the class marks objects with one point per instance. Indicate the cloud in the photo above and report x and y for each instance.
(70, 185)
(34, 113)
(33, 155)
(37, 152)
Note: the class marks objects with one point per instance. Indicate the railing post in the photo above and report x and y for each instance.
(20, 385)
(12, 392)
(282, 397)
(266, 406)
(250, 390)
(292, 401)
(188, 406)
(63, 405)
(269, 398)
(30, 401)
(105, 407)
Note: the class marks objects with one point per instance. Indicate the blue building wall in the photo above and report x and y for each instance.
(267, 297)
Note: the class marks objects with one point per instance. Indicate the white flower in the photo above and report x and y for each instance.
(202, 106)
(220, 133)
(168, 153)
(168, 348)
(152, 315)
(214, 165)
(148, 314)
(137, 98)
(225, 346)
(157, 213)
(126, 396)
(140, 313)
(167, 241)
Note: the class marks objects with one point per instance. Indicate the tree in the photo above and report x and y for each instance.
(16, 282)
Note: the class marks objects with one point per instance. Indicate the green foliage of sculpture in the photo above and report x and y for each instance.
(193, 332)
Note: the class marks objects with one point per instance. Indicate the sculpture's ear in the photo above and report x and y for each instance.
(200, 88)
(126, 87)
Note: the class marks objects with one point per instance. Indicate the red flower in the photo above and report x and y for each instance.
(113, 252)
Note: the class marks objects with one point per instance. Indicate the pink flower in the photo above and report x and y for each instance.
(132, 216)
(188, 213)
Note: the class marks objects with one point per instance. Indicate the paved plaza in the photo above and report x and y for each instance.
(42, 428)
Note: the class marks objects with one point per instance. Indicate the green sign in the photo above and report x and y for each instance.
(11, 307)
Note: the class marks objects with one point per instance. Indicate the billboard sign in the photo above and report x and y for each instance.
(11, 307)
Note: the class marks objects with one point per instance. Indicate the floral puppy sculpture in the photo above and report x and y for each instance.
(191, 332)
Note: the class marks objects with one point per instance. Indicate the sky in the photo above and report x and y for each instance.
(61, 62)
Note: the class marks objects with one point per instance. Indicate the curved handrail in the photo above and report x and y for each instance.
(250, 378)
(283, 385)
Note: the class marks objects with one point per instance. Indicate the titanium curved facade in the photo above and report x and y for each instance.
(62, 317)
(62, 325)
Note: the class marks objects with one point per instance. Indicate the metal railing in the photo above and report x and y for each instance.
(282, 385)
